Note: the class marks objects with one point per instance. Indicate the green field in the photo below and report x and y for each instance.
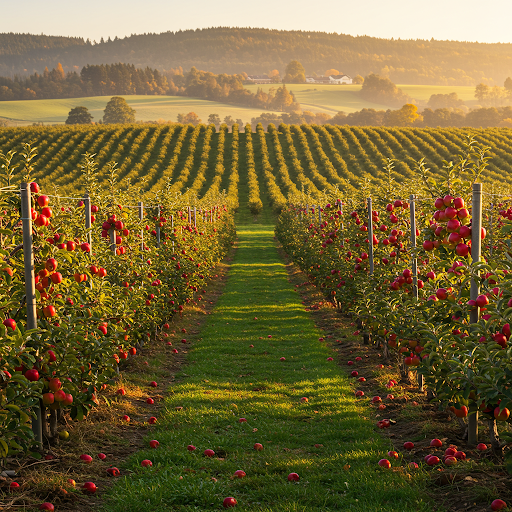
(334, 98)
(316, 98)
(148, 108)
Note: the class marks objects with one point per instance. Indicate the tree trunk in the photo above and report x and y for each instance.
(496, 446)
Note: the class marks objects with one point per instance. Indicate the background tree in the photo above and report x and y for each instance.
(118, 111)
(339, 118)
(405, 116)
(275, 76)
(295, 73)
(79, 115)
(445, 101)
(508, 86)
(383, 90)
(214, 119)
(283, 99)
(358, 79)
(332, 71)
(190, 118)
(229, 121)
(481, 92)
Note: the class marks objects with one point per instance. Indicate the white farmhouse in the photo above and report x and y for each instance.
(329, 80)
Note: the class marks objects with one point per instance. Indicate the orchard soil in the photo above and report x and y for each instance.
(466, 487)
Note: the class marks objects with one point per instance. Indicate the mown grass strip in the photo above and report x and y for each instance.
(228, 380)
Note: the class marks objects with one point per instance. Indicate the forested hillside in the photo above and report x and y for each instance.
(237, 50)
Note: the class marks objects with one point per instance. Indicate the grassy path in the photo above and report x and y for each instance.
(327, 441)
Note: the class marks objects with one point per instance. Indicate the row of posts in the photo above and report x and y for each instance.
(29, 271)
(476, 252)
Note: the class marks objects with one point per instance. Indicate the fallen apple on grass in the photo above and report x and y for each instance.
(229, 502)
(191, 447)
(293, 477)
(239, 473)
(102, 456)
(450, 460)
(49, 506)
(113, 471)
(498, 505)
(87, 459)
(146, 463)
(209, 453)
(384, 463)
(258, 447)
(154, 444)
(89, 487)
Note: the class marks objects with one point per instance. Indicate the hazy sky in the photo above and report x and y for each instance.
(467, 20)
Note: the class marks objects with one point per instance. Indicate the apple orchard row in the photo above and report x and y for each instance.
(100, 294)
(415, 296)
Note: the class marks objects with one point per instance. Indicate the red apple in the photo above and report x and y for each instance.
(481, 447)
(153, 384)
(384, 463)
(86, 458)
(408, 445)
(154, 444)
(450, 460)
(503, 415)
(146, 463)
(152, 420)
(191, 447)
(89, 487)
(393, 455)
(102, 456)
(150, 401)
(482, 301)
(48, 506)
(239, 473)
(9, 322)
(242, 420)
(209, 453)
(229, 502)
(32, 375)
(437, 443)
(293, 477)
(113, 472)
(258, 447)
(495, 505)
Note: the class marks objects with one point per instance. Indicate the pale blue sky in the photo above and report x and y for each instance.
(466, 20)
